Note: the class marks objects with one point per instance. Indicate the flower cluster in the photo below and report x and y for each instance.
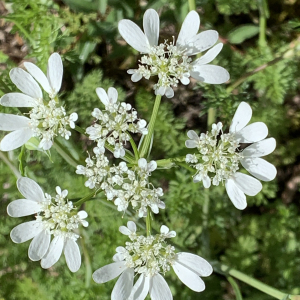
(54, 216)
(218, 160)
(114, 123)
(171, 62)
(46, 119)
(123, 185)
(149, 256)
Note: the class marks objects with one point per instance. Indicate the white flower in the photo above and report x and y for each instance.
(45, 120)
(149, 256)
(115, 122)
(171, 61)
(221, 157)
(54, 217)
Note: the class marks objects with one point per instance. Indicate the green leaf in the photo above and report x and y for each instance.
(242, 33)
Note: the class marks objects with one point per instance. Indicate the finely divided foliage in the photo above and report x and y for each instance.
(143, 261)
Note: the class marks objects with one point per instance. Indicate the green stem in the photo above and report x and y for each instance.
(148, 221)
(87, 261)
(62, 151)
(211, 116)
(147, 139)
(192, 5)
(205, 230)
(134, 147)
(10, 165)
(235, 287)
(86, 198)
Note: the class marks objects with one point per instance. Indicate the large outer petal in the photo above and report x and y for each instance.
(10, 122)
(252, 133)
(38, 75)
(26, 231)
(236, 195)
(39, 245)
(15, 139)
(261, 148)
(248, 184)
(23, 207)
(54, 252)
(195, 263)
(140, 289)
(209, 56)
(151, 26)
(30, 189)
(210, 74)
(55, 72)
(25, 83)
(123, 286)
(259, 168)
(72, 255)
(189, 29)
(201, 42)
(241, 117)
(17, 100)
(109, 272)
(188, 277)
(101, 93)
(112, 94)
(134, 36)
(159, 289)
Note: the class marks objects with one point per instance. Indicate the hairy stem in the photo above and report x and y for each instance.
(147, 140)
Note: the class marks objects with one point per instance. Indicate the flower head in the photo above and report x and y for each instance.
(46, 119)
(171, 61)
(54, 216)
(150, 257)
(114, 123)
(219, 157)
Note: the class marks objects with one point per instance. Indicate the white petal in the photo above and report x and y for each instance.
(164, 229)
(38, 75)
(140, 288)
(261, 148)
(206, 182)
(124, 230)
(195, 263)
(236, 195)
(39, 245)
(123, 286)
(10, 122)
(209, 56)
(23, 207)
(249, 185)
(252, 133)
(152, 166)
(55, 72)
(210, 74)
(131, 226)
(134, 36)
(102, 96)
(159, 289)
(259, 168)
(25, 83)
(188, 277)
(185, 79)
(26, 231)
(169, 92)
(151, 26)
(201, 42)
(191, 144)
(241, 117)
(188, 29)
(112, 95)
(17, 100)
(54, 252)
(136, 76)
(142, 162)
(109, 272)
(30, 189)
(82, 214)
(15, 139)
(72, 255)
(192, 135)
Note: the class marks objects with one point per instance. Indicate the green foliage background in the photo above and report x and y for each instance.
(263, 240)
